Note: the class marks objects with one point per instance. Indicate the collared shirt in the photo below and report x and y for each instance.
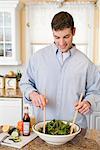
(62, 56)
(62, 83)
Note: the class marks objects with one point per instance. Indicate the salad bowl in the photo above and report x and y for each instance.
(55, 139)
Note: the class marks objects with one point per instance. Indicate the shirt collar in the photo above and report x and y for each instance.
(71, 51)
(67, 54)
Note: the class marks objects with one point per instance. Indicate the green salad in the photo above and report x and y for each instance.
(56, 127)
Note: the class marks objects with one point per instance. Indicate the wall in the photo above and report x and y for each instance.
(39, 34)
(98, 32)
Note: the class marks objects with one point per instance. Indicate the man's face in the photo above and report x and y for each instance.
(63, 38)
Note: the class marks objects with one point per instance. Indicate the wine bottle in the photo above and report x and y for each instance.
(26, 122)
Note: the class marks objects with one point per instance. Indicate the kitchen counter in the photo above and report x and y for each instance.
(10, 93)
(90, 142)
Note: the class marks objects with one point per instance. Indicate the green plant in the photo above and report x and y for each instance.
(18, 75)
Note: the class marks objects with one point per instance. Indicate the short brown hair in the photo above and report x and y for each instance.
(62, 20)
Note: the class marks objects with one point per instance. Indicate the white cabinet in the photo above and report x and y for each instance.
(94, 119)
(9, 32)
(10, 110)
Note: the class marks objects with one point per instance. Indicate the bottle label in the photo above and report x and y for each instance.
(26, 128)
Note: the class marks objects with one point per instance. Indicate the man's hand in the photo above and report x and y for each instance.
(83, 107)
(38, 100)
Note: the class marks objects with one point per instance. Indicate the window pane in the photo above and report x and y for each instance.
(7, 34)
(7, 19)
(1, 19)
(1, 49)
(8, 50)
(1, 34)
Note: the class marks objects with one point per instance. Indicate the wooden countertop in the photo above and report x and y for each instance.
(10, 93)
(90, 142)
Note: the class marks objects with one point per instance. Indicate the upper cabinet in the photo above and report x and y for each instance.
(9, 32)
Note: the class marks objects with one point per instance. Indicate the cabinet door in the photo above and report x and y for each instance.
(10, 110)
(95, 120)
(5, 34)
(9, 33)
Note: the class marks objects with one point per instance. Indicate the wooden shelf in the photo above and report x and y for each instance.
(11, 93)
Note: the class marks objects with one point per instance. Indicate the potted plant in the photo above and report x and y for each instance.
(18, 77)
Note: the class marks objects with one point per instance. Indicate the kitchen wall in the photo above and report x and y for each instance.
(25, 51)
(97, 31)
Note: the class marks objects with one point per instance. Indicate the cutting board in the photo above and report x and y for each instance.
(24, 140)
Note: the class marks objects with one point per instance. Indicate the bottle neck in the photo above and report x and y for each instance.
(26, 110)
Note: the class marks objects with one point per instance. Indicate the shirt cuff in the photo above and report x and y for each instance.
(27, 93)
(91, 100)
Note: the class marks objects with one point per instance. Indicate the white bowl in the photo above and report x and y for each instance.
(55, 139)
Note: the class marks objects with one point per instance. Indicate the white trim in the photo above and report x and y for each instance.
(7, 62)
(10, 3)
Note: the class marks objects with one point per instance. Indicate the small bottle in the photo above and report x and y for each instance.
(26, 122)
(32, 121)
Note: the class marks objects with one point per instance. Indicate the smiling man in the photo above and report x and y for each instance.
(58, 74)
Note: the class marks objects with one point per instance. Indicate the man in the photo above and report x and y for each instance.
(60, 72)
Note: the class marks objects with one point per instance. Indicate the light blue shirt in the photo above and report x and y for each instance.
(62, 56)
(63, 82)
